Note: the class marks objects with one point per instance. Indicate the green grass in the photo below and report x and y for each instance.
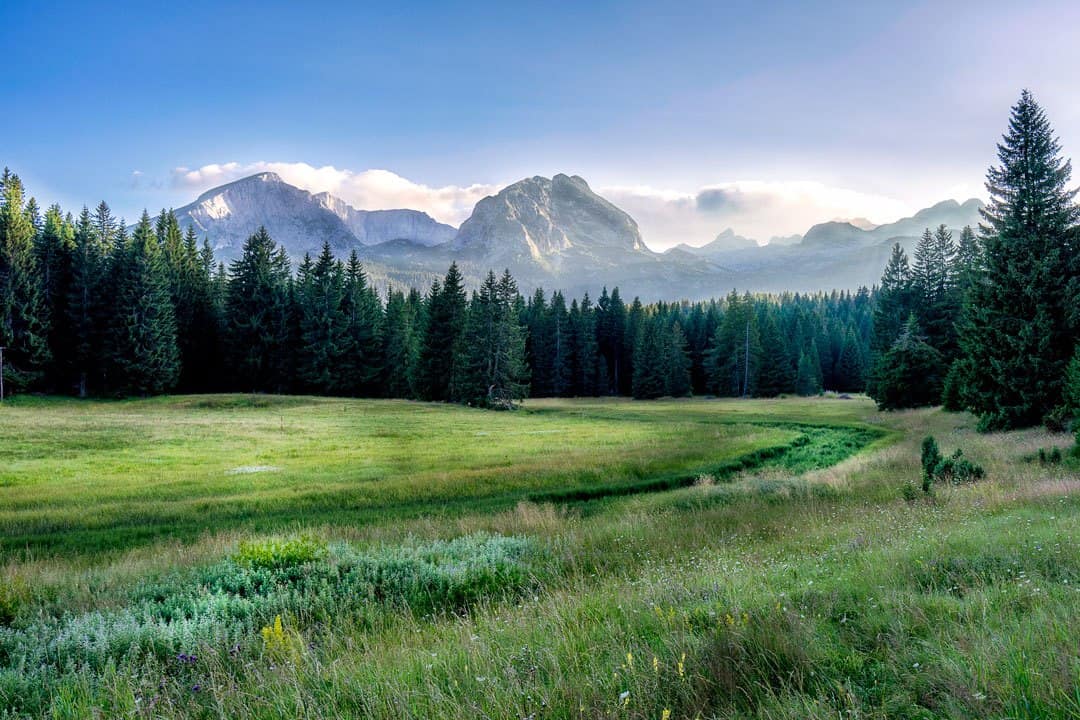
(713, 559)
(90, 477)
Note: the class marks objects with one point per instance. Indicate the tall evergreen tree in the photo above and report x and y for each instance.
(777, 375)
(362, 351)
(257, 310)
(53, 249)
(1016, 334)
(910, 373)
(24, 320)
(735, 356)
(677, 363)
(141, 349)
(894, 300)
(320, 294)
(445, 323)
(399, 345)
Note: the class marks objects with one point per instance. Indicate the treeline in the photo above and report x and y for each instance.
(989, 322)
(90, 308)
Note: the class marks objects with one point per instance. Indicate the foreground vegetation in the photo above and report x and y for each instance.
(709, 574)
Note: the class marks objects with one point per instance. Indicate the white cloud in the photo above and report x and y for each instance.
(366, 190)
(753, 208)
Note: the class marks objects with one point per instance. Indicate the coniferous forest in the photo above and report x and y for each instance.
(986, 321)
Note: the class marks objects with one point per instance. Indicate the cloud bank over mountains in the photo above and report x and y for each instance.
(756, 209)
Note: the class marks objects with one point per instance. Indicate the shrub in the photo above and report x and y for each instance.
(955, 469)
(958, 469)
(280, 553)
(931, 456)
(1057, 420)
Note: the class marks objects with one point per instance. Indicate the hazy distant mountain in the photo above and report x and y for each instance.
(298, 220)
(724, 242)
(557, 234)
(372, 227)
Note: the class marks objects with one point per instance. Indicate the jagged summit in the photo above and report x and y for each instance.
(547, 220)
(299, 220)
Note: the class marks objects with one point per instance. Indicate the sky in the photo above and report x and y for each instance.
(692, 116)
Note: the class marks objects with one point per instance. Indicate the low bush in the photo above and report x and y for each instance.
(955, 469)
(226, 605)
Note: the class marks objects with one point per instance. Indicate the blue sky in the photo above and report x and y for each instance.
(802, 110)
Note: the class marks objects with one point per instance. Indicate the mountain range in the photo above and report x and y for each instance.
(555, 233)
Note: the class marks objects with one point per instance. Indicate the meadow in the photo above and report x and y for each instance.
(256, 556)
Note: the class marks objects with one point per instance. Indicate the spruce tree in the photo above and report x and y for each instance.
(362, 350)
(87, 299)
(910, 373)
(677, 363)
(399, 345)
(735, 356)
(894, 300)
(850, 373)
(650, 378)
(777, 375)
(320, 293)
(24, 318)
(1016, 335)
(257, 310)
(141, 349)
(441, 344)
(540, 345)
(53, 250)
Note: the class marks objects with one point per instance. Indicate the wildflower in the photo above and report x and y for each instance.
(655, 664)
(196, 688)
(624, 698)
(630, 660)
(682, 665)
(666, 715)
(729, 620)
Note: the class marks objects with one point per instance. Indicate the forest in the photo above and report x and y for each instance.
(985, 322)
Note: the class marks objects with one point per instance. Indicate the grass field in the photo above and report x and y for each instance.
(594, 558)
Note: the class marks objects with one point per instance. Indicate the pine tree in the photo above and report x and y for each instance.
(585, 351)
(24, 319)
(677, 363)
(86, 297)
(1016, 334)
(894, 300)
(777, 375)
(561, 347)
(257, 315)
(635, 319)
(141, 349)
(610, 329)
(362, 357)
(850, 373)
(441, 344)
(808, 379)
(650, 378)
(910, 372)
(539, 345)
(399, 345)
(53, 251)
(492, 367)
(320, 294)
(735, 356)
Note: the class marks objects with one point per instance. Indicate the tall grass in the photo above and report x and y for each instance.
(804, 586)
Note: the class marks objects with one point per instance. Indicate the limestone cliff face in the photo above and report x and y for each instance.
(298, 220)
(548, 221)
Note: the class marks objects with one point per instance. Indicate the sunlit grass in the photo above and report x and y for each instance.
(802, 587)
